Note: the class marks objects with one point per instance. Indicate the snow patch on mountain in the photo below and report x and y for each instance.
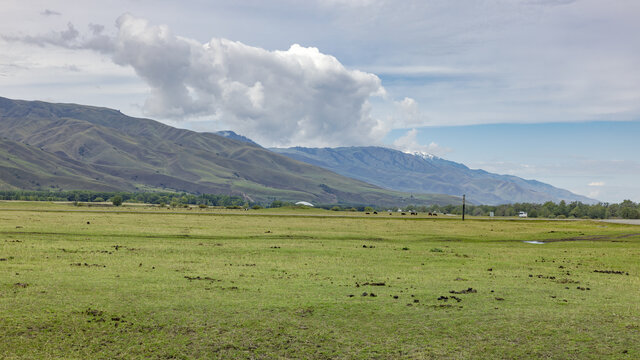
(422, 154)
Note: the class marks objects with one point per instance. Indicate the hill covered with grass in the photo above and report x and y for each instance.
(49, 146)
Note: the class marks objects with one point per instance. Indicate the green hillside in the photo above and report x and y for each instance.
(68, 147)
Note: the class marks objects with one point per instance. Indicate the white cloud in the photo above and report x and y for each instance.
(282, 97)
(465, 62)
(422, 70)
(49, 12)
(597, 183)
(404, 114)
(549, 2)
(60, 38)
(348, 3)
(409, 144)
(408, 111)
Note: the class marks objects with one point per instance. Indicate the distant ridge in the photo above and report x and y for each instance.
(423, 155)
(232, 135)
(426, 173)
(47, 146)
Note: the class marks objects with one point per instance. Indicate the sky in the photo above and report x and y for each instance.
(541, 89)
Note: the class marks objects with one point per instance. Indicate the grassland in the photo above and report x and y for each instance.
(158, 283)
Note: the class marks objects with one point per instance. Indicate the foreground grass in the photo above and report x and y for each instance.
(194, 284)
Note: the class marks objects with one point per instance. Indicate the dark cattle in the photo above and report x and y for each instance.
(375, 213)
(404, 213)
(367, 213)
(414, 213)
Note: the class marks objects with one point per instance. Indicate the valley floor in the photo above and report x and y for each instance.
(159, 283)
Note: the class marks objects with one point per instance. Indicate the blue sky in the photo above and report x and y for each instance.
(542, 89)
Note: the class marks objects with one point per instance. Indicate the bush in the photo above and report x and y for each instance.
(202, 206)
(336, 208)
(256, 207)
(98, 199)
(116, 200)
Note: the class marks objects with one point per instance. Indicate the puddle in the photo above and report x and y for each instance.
(534, 242)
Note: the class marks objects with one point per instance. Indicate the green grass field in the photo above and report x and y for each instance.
(78, 282)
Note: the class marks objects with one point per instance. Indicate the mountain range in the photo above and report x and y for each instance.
(424, 173)
(46, 146)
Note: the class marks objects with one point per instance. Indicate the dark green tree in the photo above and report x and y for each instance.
(116, 200)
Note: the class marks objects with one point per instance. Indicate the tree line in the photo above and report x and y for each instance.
(159, 198)
(562, 210)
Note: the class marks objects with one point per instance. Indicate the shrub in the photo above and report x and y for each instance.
(116, 200)
(336, 208)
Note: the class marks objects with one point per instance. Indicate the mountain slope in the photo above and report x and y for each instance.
(417, 173)
(28, 167)
(68, 146)
(232, 135)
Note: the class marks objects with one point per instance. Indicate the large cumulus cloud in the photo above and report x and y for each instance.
(295, 96)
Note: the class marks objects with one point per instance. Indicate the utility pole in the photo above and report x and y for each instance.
(463, 207)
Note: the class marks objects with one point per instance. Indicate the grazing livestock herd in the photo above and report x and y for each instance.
(402, 213)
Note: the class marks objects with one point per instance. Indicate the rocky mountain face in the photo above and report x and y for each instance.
(424, 173)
